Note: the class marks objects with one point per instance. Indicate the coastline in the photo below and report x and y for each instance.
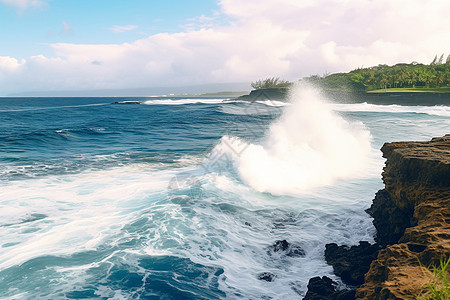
(412, 218)
(345, 97)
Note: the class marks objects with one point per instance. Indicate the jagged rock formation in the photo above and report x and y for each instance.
(389, 220)
(351, 263)
(326, 289)
(412, 217)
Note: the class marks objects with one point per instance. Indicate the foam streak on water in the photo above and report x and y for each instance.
(183, 101)
(438, 110)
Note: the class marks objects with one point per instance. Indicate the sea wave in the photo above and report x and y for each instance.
(442, 111)
(274, 103)
(50, 107)
(308, 146)
(184, 101)
(81, 131)
(105, 223)
(171, 218)
(49, 136)
(12, 171)
(252, 108)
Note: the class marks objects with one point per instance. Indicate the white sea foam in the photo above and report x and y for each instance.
(98, 208)
(251, 108)
(233, 227)
(140, 209)
(274, 103)
(79, 211)
(443, 111)
(309, 146)
(67, 132)
(182, 101)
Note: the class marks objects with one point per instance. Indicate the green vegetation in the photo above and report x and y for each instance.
(269, 83)
(413, 90)
(399, 78)
(415, 76)
(439, 289)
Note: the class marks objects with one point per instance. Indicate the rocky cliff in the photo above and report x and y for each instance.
(412, 218)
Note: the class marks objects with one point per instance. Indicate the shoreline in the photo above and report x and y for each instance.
(412, 218)
(344, 97)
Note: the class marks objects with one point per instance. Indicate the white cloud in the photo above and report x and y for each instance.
(10, 72)
(286, 38)
(23, 4)
(9, 64)
(120, 29)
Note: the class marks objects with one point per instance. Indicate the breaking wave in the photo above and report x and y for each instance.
(308, 146)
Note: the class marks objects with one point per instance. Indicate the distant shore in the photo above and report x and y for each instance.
(385, 98)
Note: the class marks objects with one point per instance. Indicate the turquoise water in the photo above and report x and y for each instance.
(162, 200)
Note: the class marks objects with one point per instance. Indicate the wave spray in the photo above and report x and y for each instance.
(308, 146)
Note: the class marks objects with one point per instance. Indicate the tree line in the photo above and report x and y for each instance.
(402, 75)
(271, 82)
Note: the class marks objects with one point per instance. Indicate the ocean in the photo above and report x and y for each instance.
(184, 197)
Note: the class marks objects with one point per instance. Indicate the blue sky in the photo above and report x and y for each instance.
(29, 31)
(57, 45)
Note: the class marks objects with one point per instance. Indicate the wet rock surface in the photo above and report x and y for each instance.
(267, 276)
(351, 263)
(389, 220)
(326, 289)
(284, 247)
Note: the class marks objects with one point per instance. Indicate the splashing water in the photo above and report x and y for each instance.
(308, 146)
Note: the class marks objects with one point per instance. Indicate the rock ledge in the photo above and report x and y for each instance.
(412, 218)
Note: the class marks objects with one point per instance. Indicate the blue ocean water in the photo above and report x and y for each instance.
(164, 201)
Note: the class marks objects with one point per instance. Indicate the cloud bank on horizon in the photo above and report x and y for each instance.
(286, 38)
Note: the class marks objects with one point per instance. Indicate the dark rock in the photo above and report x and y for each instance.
(326, 289)
(127, 102)
(280, 246)
(320, 287)
(346, 295)
(351, 263)
(287, 248)
(389, 220)
(416, 247)
(267, 276)
(277, 94)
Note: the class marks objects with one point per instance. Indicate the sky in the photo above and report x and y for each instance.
(54, 45)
